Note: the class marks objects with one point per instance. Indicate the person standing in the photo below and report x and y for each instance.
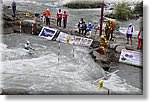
(80, 25)
(129, 33)
(113, 28)
(107, 29)
(48, 17)
(43, 17)
(14, 9)
(140, 39)
(59, 18)
(65, 16)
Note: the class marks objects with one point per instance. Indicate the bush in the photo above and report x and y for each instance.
(122, 11)
(139, 9)
(83, 5)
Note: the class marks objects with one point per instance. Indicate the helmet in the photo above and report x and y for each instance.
(102, 37)
(102, 47)
(47, 9)
(28, 42)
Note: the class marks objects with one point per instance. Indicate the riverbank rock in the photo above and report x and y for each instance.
(119, 48)
(8, 17)
(113, 45)
(129, 47)
(13, 91)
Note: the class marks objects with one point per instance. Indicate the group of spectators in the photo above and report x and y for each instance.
(84, 28)
(59, 17)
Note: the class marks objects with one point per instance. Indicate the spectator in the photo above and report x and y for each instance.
(140, 39)
(112, 31)
(80, 25)
(59, 18)
(65, 16)
(129, 33)
(48, 17)
(14, 9)
(89, 28)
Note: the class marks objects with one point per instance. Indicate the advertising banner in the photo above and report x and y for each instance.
(76, 40)
(48, 33)
(131, 57)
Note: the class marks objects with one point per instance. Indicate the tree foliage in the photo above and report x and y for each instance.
(122, 11)
(139, 8)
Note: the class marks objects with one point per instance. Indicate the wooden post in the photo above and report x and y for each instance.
(101, 18)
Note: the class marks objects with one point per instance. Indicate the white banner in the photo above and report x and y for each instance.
(48, 33)
(76, 40)
(131, 57)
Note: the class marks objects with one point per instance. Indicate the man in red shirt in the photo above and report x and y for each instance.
(113, 28)
(59, 18)
(65, 16)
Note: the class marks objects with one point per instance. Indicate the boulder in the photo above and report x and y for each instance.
(106, 67)
(95, 44)
(119, 48)
(13, 91)
(129, 47)
(113, 45)
(8, 17)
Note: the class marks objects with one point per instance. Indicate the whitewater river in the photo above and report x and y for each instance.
(42, 73)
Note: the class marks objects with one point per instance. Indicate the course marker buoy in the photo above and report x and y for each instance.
(27, 14)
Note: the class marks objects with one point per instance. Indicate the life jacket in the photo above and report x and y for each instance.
(48, 14)
(102, 50)
(65, 15)
(104, 42)
(59, 15)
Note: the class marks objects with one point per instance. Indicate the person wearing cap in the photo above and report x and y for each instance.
(129, 33)
(89, 28)
(59, 18)
(48, 17)
(65, 16)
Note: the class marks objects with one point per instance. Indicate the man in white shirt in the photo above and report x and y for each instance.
(129, 33)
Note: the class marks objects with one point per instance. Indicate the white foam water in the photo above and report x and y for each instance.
(45, 75)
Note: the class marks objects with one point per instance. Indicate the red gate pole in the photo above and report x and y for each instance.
(101, 18)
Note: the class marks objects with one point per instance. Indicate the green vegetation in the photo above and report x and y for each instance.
(122, 11)
(139, 9)
(83, 5)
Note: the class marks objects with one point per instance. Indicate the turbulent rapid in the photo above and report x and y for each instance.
(41, 73)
